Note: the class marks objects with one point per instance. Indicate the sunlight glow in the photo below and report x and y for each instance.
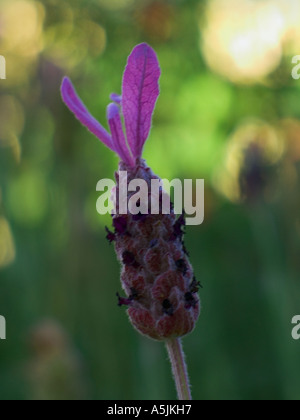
(22, 22)
(244, 40)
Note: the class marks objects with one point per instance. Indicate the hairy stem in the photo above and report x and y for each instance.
(179, 368)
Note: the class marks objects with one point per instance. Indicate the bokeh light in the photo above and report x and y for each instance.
(21, 36)
(11, 124)
(68, 43)
(255, 142)
(7, 247)
(22, 23)
(244, 40)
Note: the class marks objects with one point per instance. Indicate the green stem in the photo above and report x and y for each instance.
(176, 354)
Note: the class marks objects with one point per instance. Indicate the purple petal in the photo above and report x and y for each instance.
(140, 92)
(74, 103)
(118, 137)
(116, 98)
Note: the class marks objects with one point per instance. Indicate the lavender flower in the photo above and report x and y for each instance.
(157, 277)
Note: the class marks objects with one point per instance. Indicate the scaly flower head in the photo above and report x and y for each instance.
(156, 275)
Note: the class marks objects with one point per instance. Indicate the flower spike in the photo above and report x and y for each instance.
(150, 247)
(161, 290)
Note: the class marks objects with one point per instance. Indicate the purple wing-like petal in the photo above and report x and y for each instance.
(74, 103)
(140, 92)
(118, 137)
(116, 98)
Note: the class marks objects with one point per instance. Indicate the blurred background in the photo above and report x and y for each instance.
(229, 112)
